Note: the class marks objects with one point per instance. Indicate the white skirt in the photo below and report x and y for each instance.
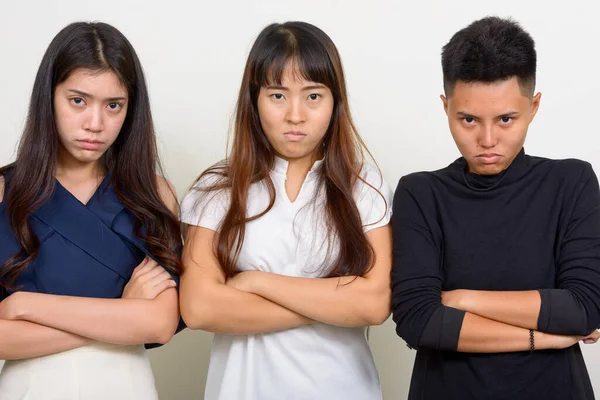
(93, 372)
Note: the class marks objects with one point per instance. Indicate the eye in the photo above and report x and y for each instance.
(277, 96)
(314, 96)
(505, 120)
(114, 106)
(469, 120)
(77, 101)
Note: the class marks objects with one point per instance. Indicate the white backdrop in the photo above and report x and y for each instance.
(194, 52)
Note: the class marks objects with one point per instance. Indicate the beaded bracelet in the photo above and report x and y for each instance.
(531, 340)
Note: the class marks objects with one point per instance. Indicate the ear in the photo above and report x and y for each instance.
(535, 105)
(445, 102)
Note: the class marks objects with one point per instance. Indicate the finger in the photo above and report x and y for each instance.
(589, 341)
(151, 275)
(158, 279)
(140, 265)
(151, 293)
(148, 267)
(164, 285)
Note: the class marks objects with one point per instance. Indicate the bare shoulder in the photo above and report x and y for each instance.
(1, 188)
(167, 193)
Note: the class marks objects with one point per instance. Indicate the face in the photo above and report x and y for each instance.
(89, 109)
(295, 116)
(489, 122)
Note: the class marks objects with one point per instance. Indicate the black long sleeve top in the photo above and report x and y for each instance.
(535, 226)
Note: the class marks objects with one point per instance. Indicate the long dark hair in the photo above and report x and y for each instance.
(251, 156)
(132, 159)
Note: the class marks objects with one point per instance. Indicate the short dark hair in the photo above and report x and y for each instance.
(489, 50)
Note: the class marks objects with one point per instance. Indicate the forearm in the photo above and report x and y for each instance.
(117, 321)
(346, 301)
(24, 339)
(218, 308)
(482, 335)
(517, 308)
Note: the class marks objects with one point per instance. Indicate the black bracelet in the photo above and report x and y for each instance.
(531, 340)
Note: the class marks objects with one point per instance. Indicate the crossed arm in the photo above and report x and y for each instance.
(35, 324)
(257, 302)
(496, 321)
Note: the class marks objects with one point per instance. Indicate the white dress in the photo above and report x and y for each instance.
(94, 372)
(317, 361)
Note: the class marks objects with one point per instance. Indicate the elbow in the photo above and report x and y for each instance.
(410, 322)
(197, 317)
(407, 333)
(164, 329)
(379, 310)
(163, 335)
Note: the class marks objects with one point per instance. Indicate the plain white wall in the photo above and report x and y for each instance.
(194, 52)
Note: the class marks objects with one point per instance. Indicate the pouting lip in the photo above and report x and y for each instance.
(489, 155)
(296, 133)
(90, 141)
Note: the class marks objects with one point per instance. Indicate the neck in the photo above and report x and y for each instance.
(71, 169)
(299, 167)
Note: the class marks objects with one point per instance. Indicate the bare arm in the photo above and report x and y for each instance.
(207, 303)
(346, 301)
(517, 308)
(23, 339)
(118, 321)
(481, 335)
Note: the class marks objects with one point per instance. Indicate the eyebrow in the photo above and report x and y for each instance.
(311, 87)
(79, 92)
(467, 115)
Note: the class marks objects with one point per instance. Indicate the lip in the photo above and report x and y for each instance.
(489, 158)
(89, 144)
(294, 136)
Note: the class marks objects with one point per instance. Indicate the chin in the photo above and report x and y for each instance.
(488, 169)
(87, 158)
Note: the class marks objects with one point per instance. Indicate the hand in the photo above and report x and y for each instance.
(552, 341)
(12, 307)
(148, 281)
(454, 298)
(243, 281)
(591, 338)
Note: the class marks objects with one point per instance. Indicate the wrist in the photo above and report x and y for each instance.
(256, 281)
(464, 300)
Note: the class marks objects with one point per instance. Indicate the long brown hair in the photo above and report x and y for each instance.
(251, 156)
(132, 159)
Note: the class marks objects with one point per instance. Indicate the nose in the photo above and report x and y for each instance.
(487, 136)
(95, 119)
(295, 113)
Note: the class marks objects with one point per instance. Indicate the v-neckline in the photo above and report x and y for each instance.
(99, 188)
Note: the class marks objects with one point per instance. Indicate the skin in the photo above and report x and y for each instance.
(90, 108)
(489, 119)
(489, 123)
(256, 301)
(295, 116)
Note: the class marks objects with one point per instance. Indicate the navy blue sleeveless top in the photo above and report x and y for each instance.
(87, 250)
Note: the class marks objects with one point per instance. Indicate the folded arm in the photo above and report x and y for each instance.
(573, 307)
(421, 317)
(207, 303)
(23, 339)
(118, 321)
(346, 301)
